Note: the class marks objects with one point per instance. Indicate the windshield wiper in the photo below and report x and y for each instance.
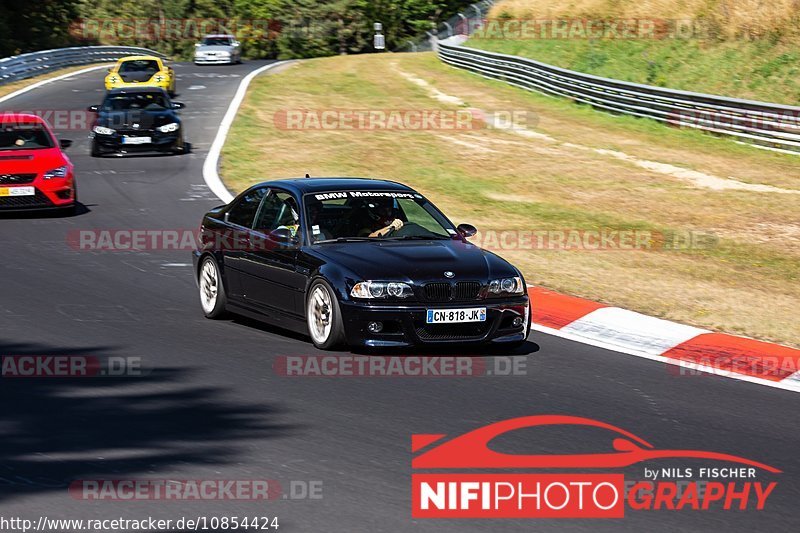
(418, 238)
(349, 239)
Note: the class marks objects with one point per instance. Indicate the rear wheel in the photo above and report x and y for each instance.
(325, 325)
(212, 291)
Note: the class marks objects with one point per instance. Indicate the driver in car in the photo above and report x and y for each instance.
(289, 217)
(382, 217)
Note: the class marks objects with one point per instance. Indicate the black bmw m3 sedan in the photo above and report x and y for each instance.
(356, 261)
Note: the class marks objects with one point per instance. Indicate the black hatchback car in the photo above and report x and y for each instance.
(137, 120)
(356, 261)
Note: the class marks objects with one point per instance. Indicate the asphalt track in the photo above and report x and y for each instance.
(213, 407)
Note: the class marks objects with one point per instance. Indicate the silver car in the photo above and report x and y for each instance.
(218, 50)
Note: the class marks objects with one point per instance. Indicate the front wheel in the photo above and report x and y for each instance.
(212, 291)
(325, 325)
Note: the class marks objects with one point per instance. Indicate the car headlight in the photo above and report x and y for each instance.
(381, 289)
(158, 78)
(102, 130)
(507, 286)
(224, 53)
(169, 128)
(113, 79)
(60, 172)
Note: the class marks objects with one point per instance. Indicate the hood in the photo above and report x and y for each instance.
(216, 48)
(31, 161)
(146, 119)
(416, 260)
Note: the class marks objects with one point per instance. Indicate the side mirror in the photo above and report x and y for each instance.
(93, 108)
(467, 230)
(178, 105)
(65, 143)
(283, 236)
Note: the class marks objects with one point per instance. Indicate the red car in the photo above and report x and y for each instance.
(34, 171)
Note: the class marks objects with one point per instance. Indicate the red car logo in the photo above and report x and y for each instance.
(471, 450)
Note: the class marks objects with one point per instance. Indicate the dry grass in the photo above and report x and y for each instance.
(731, 18)
(500, 180)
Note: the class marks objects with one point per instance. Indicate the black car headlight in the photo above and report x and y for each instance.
(381, 289)
(506, 286)
(169, 128)
(102, 130)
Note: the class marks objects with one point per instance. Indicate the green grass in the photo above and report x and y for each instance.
(758, 70)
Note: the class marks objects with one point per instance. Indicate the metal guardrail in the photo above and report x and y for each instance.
(459, 24)
(29, 65)
(763, 124)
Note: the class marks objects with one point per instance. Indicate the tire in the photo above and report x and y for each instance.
(324, 317)
(95, 150)
(212, 291)
(180, 148)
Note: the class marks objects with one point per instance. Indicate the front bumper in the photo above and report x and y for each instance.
(213, 60)
(50, 194)
(405, 325)
(160, 142)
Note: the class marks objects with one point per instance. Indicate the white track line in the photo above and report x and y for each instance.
(210, 166)
(48, 80)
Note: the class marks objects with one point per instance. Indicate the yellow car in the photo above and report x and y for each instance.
(141, 71)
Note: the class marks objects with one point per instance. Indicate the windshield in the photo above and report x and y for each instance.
(132, 101)
(24, 137)
(366, 215)
(139, 65)
(217, 41)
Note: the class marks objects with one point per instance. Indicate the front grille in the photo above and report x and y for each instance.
(15, 202)
(453, 332)
(466, 290)
(438, 292)
(142, 132)
(16, 179)
(445, 292)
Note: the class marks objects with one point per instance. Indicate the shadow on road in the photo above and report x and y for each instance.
(57, 430)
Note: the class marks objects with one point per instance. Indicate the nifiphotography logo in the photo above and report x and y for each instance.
(515, 490)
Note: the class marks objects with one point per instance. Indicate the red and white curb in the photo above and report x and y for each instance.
(693, 350)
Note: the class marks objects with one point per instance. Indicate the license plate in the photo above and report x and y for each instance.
(136, 140)
(17, 191)
(454, 316)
